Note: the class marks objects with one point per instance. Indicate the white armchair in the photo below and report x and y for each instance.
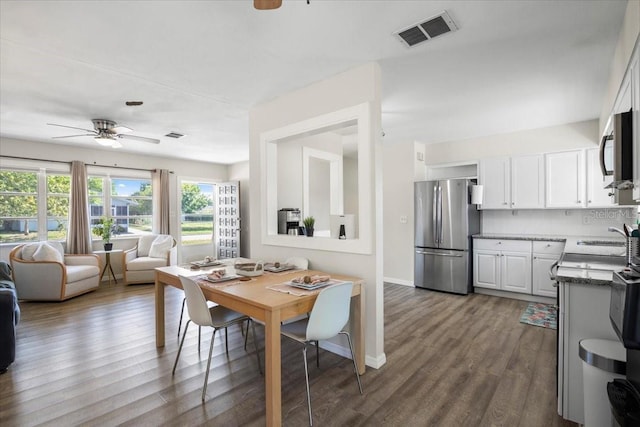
(152, 250)
(43, 272)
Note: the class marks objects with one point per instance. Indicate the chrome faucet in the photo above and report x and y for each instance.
(617, 230)
(628, 248)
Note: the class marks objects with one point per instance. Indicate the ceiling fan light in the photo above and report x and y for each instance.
(267, 4)
(116, 144)
(102, 140)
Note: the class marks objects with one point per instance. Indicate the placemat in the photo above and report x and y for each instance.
(285, 288)
(202, 282)
(282, 273)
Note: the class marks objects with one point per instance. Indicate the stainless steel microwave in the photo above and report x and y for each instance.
(616, 151)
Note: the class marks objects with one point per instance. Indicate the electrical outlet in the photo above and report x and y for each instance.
(403, 219)
(420, 156)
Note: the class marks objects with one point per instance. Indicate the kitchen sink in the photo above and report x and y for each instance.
(592, 262)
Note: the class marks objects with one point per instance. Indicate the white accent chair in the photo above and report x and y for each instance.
(151, 251)
(43, 272)
(328, 317)
(217, 317)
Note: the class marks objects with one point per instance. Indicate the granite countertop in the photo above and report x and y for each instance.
(576, 244)
(584, 276)
(530, 237)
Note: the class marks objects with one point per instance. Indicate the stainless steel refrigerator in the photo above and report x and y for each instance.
(445, 220)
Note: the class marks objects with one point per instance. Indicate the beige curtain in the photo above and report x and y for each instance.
(161, 201)
(79, 235)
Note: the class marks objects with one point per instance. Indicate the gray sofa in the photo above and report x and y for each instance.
(9, 317)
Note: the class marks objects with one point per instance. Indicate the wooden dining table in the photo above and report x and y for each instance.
(254, 299)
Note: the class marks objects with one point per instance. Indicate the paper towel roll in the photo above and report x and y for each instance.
(476, 194)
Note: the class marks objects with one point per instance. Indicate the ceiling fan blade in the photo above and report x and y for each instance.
(120, 129)
(267, 4)
(140, 138)
(73, 136)
(72, 127)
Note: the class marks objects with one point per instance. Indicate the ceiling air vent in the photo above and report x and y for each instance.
(175, 135)
(427, 29)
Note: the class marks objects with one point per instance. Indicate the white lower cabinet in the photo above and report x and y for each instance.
(502, 265)
(545, 254)
(486, 269)
(515, 265)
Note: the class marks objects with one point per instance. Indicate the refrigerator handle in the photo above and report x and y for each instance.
(438, 230)
(439, 254)
(434, 221)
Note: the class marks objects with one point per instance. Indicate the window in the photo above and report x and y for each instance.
(130, 201)
(196, 221)
(18, 206)
(58, 190)
(35, 201)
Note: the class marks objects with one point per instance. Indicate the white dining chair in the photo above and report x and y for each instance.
(217, 317)
(328, 317)
(226, 336)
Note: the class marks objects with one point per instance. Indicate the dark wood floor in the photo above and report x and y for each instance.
(451, 361)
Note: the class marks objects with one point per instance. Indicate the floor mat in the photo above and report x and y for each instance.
(539, 314)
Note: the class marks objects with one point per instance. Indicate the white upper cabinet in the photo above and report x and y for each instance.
(495, 177)
(565, 179)
(513, 183)
(527, 182)
(597, 195)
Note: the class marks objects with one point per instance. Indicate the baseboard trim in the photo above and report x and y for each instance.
(515, 295)
(370, 361)
(398, 281)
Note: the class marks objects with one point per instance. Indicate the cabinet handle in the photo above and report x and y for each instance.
(552, 274)
(579, 201)
(504, 203)
(589, 201)
(611, 194)
(499, 243)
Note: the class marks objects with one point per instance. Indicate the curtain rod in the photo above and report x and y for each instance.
(88, 164)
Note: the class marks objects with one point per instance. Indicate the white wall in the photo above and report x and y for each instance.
(542, 140)
(350, 170)
(350, 88)
(398, 190)
(629, 32)
(398, 203)
(111, 157)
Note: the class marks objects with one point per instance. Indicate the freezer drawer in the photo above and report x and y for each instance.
(443, 270)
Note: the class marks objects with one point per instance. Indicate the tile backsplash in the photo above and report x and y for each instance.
(574, 222)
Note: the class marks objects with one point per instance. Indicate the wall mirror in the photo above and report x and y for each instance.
(321, 166)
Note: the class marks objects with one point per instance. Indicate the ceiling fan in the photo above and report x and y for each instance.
(267, 4)
(107, 133)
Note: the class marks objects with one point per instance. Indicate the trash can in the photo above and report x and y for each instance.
(602, 362)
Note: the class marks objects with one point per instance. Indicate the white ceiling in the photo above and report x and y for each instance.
(200, 66)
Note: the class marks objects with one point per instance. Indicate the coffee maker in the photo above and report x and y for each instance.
(289, 221)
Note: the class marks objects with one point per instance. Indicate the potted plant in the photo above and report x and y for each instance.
(309, 222)
(105, 228)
